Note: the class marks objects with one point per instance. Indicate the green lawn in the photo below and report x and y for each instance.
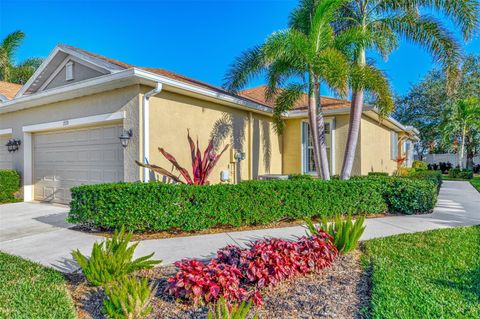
(29, 290)
(434, 274)
(476, 182)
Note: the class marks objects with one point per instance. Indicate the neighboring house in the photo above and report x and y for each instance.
(69, 116)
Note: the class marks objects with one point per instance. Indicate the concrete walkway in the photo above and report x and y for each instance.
(39, 231)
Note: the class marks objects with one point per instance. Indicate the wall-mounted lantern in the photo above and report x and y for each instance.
(125, 137)
(13, 145)
(239, 156)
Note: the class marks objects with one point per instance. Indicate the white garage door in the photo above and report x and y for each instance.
(6, 158)
(64, 159)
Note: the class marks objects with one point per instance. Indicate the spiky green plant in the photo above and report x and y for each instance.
(129, 299)
(345, 232)
(112, 259)
(223, 311)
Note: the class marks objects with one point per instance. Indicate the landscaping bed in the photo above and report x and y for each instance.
(340, 291)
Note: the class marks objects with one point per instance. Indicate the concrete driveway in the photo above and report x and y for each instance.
(39, 232)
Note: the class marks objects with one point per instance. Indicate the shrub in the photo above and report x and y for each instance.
(158, 206)
(404, 171)
(128, 299)
(225, 311)
(237, 274)
(296, 177)
(377, 174)
(419, 165)
(345, 233)
(434, 176)
(460, 174)
(409, 196)
(111, 260)
(9, 185)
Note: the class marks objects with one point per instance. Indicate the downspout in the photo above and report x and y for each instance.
(146, 128)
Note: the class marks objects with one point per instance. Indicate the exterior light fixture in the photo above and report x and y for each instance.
(239, 156)
(13, 145)
(125, 137)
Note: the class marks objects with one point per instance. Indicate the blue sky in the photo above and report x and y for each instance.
(199, 39)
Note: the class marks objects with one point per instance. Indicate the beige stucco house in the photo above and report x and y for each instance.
(67, 120)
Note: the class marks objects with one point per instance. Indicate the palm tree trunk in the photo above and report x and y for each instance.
(462, 149)
(354, 127)
(322, 146)
(312, 119)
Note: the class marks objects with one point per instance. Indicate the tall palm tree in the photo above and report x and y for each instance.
(297, 61)
(9, 71)
(379, 25)
(460, 121)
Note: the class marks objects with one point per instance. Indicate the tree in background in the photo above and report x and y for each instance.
(298, 61)
(380, 24)
(460, 126)
(426, 101)
(9, 71)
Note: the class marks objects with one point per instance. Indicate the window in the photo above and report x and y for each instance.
(69, 71)
(307, 148)
(394, 145)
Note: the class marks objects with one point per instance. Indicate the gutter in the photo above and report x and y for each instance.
(146, 127)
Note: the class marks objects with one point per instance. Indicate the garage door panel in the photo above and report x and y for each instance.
(70, 158)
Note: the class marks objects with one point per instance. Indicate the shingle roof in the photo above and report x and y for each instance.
(162, 72)
(328, 103)
(9, 89)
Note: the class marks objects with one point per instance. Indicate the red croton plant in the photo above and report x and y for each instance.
(239, 274)
(201, 167)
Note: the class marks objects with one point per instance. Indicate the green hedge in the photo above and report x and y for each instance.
(460, 174)
(434, 176)
(156, 206)
(9, 185)
(377, 174)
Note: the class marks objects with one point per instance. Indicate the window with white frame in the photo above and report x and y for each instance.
(307, 148)
(394, 145)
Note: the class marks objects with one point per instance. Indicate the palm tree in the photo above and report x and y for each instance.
(460, 121)
(297, 61)
(10, 72)
(379, 24)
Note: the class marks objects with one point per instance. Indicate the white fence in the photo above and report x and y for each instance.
(452, 158)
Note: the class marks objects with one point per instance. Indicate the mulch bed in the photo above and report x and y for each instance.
(340, 291)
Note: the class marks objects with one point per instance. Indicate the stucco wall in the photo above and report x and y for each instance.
(125, 99)
(80, 73)
(375, 147)
(172, 114)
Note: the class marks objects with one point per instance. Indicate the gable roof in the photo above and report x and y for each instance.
(9, 90)
(159, 71)
(328, 103)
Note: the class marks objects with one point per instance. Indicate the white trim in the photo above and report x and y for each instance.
(68, 123)
(27, 167)
(68, 59)
(332, 149)
(6, 131)
(35, 75)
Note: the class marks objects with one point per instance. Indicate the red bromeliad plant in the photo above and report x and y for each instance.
(201, 167)
(238, 274)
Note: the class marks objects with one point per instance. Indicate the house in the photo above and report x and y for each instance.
(64, 126)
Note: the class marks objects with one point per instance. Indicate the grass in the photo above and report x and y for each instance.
(29, 290)
(433, 274)
(476, 182)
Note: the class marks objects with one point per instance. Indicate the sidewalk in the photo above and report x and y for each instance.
(38, 232)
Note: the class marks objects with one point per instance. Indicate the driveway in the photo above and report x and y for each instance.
(39, 231)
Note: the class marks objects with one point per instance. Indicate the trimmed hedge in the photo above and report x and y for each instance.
(144, 207)
(9, 185)
(434, 176)
(460, 174)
